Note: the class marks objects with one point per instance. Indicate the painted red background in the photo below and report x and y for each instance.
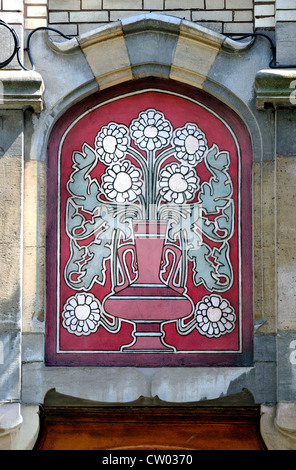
(178, 110)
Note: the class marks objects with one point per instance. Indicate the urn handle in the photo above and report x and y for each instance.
(127, 269)
(171, 266)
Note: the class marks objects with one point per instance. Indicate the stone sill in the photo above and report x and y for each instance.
(276, 87)
(20, 89)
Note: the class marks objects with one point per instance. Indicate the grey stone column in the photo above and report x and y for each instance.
(285, 34)
(277, 87)
(286, 216)
(18, 90)
(11, 148)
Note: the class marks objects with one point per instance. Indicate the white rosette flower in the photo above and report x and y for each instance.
(151, 131)
(111, 143)
(122, 182)
(81, 314)
(178, 183)
(190, 144)
(215, 316)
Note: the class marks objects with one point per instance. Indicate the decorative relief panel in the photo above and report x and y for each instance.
(149, 232)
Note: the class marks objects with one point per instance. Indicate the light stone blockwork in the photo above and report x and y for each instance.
(229, 17)
(33, 245)
(115, 46)
(286, 174)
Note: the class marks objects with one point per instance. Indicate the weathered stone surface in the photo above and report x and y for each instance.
(112, 45)
(286, 287)
(286, 232)
(25, 436)
(10, 240)
(9, 368)
(10, 197)
(285, 41)
(155, 46)
(275, 87)
(286, 200)
(286, 344)
(275, 437)
(21, 89)
(10, 289)
(265, 347)
(264, 242)
(10, 416)
(195, 54)
(227, 71)
(100, 384)
(286, 124)
(268, 187)
(33, 347)
(33, 314)
(11, 132)
(61, 73)
(34, 211)
(257, 201)
(208, 383)
(269, 297)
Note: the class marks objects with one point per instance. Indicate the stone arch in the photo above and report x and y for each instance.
(148, 45)
(91, 109)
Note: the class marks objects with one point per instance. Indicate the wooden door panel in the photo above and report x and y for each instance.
(163, 428)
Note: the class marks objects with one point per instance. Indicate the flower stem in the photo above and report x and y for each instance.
(158, 161)
(150, 192)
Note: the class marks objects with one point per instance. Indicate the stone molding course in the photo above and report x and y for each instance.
(21, 89)
(276, 87)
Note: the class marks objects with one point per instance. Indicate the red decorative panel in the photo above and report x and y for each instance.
(149, 231)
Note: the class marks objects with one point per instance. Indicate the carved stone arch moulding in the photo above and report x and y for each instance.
(149, 237)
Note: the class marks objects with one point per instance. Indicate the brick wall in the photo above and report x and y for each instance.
(264, 14)
(78, 16)
(12, 11)
(35, 13)
(286, 10)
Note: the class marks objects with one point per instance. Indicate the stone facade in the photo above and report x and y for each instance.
(190, 45)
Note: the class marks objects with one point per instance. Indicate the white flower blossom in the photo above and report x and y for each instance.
(122, 182)
(151, 131)
(178, 183)
(81, 314)
(190, 143)
(112, 142)
(215, 316)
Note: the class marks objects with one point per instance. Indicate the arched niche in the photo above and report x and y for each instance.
(112, 156)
